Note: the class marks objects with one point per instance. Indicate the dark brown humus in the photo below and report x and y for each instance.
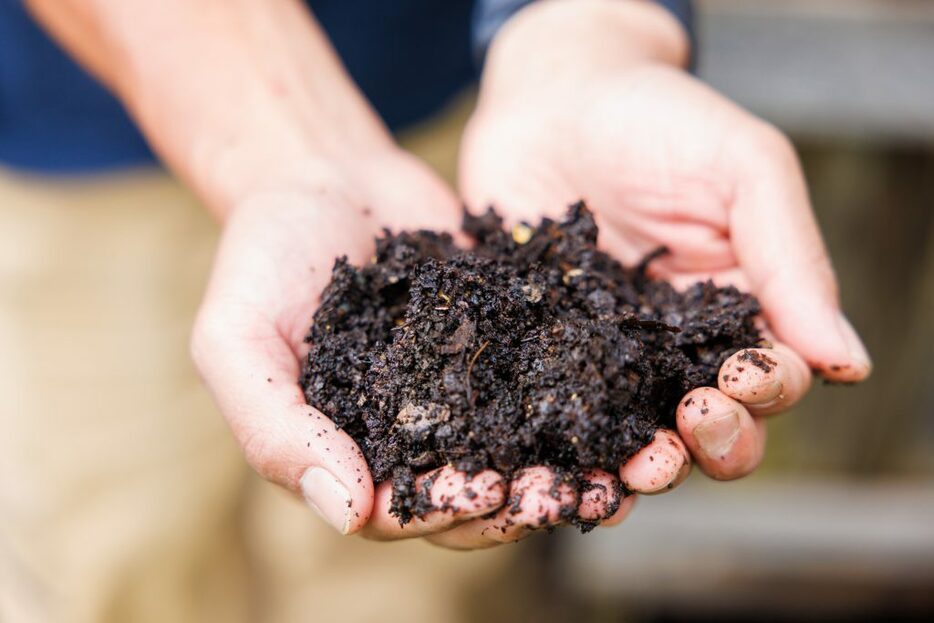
(534, 348)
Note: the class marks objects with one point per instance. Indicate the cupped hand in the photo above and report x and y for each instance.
(663, 160)
(275, 257)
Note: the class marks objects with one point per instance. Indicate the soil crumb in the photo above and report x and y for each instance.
(759, 360)
(533, 348)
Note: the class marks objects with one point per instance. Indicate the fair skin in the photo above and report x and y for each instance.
(246, 101)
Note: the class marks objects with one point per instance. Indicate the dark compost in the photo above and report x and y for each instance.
(532, 348)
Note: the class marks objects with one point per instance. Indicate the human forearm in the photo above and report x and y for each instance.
(560, 41)
(231, 94)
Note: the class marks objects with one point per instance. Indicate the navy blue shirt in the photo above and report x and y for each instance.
(408, 57)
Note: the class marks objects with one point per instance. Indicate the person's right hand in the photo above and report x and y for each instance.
(601, 113)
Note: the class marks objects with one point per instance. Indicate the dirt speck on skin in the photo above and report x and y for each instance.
(533, 348)
(759, 360)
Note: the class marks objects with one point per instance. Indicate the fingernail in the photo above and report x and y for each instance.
(328, 497)
(766, 392)
(717, 435)
(854, 346)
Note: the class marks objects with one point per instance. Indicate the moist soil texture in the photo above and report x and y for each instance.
(532, 348)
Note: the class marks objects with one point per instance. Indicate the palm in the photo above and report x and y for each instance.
(286, 242)
(649, 153)
(275, 258)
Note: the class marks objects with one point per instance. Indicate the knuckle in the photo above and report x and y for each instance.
(217, 331)
(817, 261)
(772, 138)
(261, 452)
(206, 337)
(764, 145)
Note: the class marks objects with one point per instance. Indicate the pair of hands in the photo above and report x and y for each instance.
(659, 157)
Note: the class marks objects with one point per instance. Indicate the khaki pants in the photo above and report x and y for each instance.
(122, 495)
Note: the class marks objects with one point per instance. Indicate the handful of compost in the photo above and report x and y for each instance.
(531, 348)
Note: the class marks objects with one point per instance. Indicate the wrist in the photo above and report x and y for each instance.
(227, 174)
(229, 141)
(337, 178)
(569, 42)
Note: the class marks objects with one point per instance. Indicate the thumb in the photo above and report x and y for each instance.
(254, 382)
(252, 369)
(778, 245)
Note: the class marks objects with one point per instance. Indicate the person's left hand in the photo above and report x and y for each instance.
(663, 160)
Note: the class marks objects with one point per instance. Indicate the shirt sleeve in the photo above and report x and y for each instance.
(490, 15)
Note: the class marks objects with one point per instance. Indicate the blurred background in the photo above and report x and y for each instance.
(837, 525)
(839, 522)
